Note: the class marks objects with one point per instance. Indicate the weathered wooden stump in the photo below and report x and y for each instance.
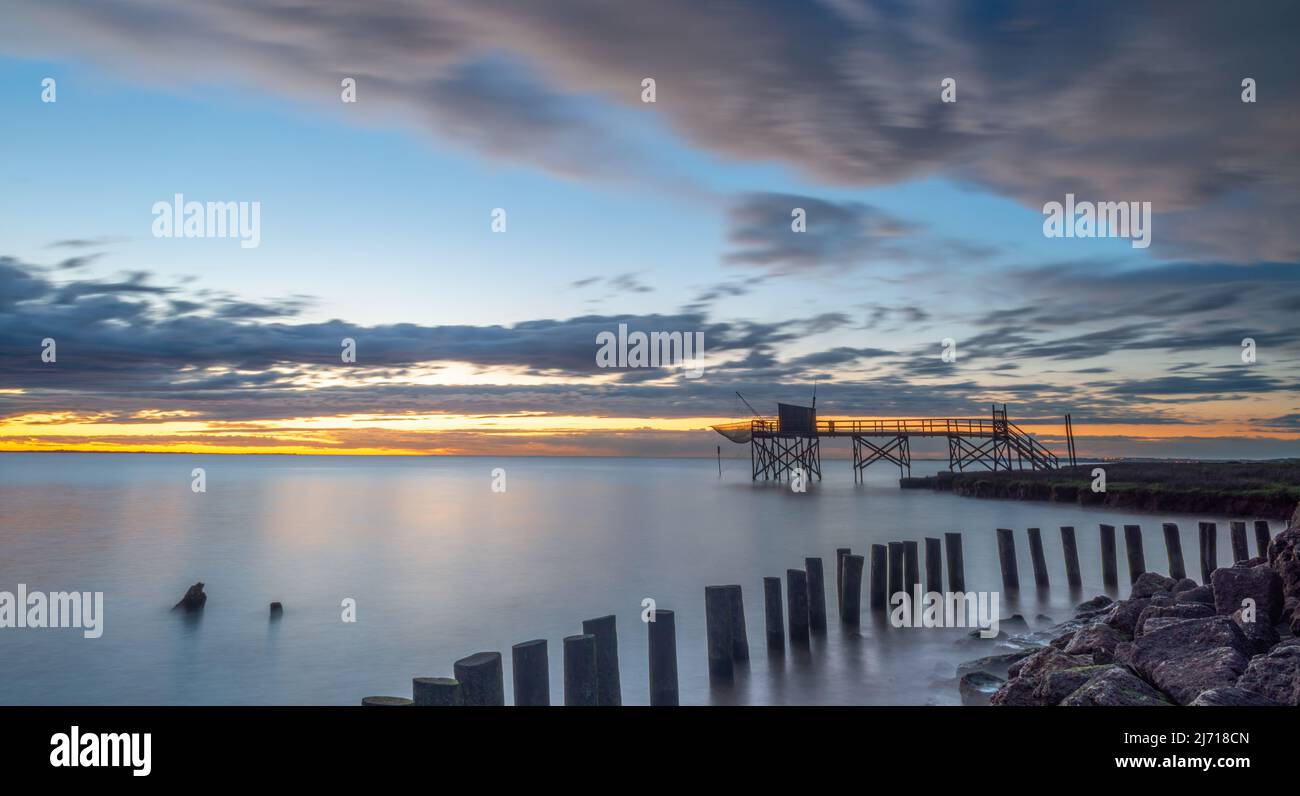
(1238, 534)
(911, 567)
(851, 602)
(385, 701)
(1109, 566)
(1174, 547)
(796, 604)
(840, 553)
(1209, 533)
(581, 685)
(739, 635)
(663, 658)
(816, 595)
(956, 562)
(896, 583)
(532, 673)
(1137, 563)
(481, 679)
(933, 564)
(1070, 549)
(773, 615)
(1007, 559)
(1262, 537)
(879, 577)
(1038, 559)
(437, 692)
(609, 688)
(717, 630)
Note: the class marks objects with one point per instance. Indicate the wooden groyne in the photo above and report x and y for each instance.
(591, 662)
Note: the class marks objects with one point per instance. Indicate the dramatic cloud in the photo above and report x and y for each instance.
(1108, 101)
(835, 234)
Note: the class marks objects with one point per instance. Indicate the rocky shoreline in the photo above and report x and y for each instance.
(1233, 641)
(1147, 498)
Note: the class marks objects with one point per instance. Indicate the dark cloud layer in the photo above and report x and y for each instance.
(1107, 100)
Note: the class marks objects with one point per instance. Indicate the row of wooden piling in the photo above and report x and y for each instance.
(591, 670)
(1208, 532)
(894, 567)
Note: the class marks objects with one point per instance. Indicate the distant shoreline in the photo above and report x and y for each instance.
(1268, 488)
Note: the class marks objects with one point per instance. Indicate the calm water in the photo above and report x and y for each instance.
(441, 567)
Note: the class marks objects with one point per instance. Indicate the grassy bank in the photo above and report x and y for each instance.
(1266, 489)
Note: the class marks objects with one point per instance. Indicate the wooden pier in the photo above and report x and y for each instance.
(792, 442)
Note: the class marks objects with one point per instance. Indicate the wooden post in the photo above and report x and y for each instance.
(663, 658)
(1209, 550)
(436, 692)
(1109, 568)
(956, 563)
(796, 604)
(911, 566)
(773, 614)
(895, 571)
(933, 565)
(1137, 563)
(1007, 557)
(609, 689)
(1038, 559)
(1239, 550)
(816, 595)
(580, 683)
(1174, 547)
(840, 553)
(879, 578)
(739, 635)
(385, 701)
(717, 616)
(1262, 537)
(1071, 551)
(532, 673)
(481, 679)
(851, 603)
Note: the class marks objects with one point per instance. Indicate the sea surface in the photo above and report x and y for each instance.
(441, 566)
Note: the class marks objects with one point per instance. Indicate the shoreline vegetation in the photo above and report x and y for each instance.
(1267, 489)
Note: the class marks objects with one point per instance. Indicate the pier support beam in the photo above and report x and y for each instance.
(773, 615)
(481, 679)
(1038, 559)
(609, 689)
(1109, 567)
(851, 601)
(879, 577)
(1209, 550)
(796, 604)
(1137, 563)
(580, 683)
(532, 673)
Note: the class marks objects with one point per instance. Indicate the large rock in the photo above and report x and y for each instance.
(1275, 675)
(1232, 697)
(1056, 686)
(1170, 614)
(996, 665)
(1028, 674)
(1096, 641)
(1233, 585)
(1190, 656)
(1115, 687)
(1261, 635)
(977, 687)
(1284, 557)
(1149, 583)
(1124, 615)
(193, 600)
(1197, 594)
(1183, 585)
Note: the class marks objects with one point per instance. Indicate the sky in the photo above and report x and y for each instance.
(924, 222)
